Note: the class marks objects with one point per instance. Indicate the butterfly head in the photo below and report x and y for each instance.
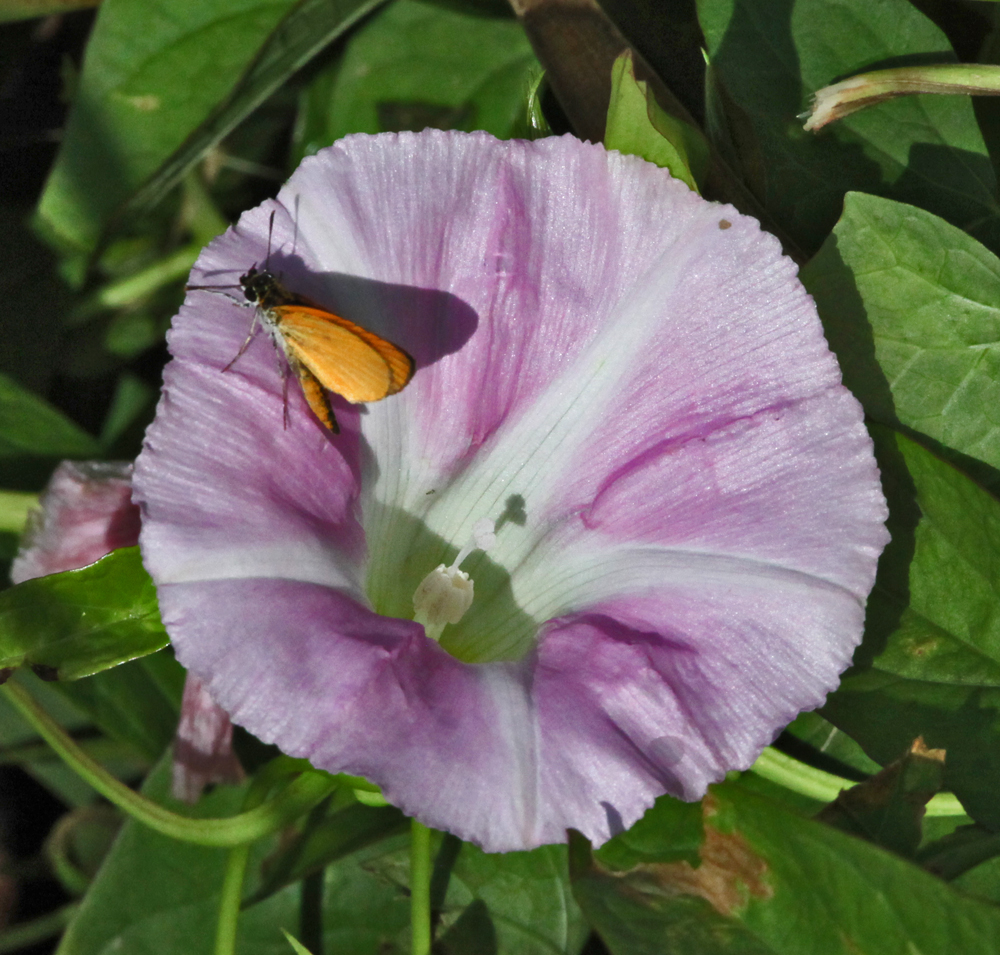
(254, 283)
(262, 288)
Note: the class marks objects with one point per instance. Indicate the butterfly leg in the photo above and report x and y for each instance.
(284, 396)
(245, 345)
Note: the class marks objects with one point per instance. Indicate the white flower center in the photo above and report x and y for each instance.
(446, 593)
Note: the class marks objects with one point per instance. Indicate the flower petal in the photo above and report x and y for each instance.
(459, 745)
(203, 747)
(210, 509)
(85, 513)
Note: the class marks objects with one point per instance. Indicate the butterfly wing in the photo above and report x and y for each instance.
(315, 395)
(345, 358)
(400, 363)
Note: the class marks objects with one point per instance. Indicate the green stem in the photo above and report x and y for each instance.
(231, 897)
(825, 787)
(420, 889)
(23, 934)
(296, 798)
(866, 89)
(229, 902)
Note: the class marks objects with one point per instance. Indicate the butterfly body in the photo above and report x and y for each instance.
(323, 350)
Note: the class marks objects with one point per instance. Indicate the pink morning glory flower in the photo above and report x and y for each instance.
(616, 532)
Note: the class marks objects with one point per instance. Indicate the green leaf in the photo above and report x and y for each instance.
(668, 38)
(417, 64)
(828, 741)
(639, 127)
(771, 882)
(363, 914)
(670, 831)
(948, 624)
(47, 768)
(15, 507)
(960, 851)
(930, 662)
(911, 305)
(888, 808)
(297, 946)
(527, 898)
(531, 123)
(163, 81)
(29, 9)
(137, 703)
(150, 884)
(514, 903)
(71, 625)
(472, 933)
(982, 881)
(153, 72)
(769, 58)
(35, 301)
(327, 839)
(635, 914)
(131, 410)
(309, 26)
(31, 426)
(155, 895)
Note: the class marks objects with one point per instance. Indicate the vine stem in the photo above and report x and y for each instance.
(231, 895)
(825, 787)
(298, 797)
(420, 888)
(229, 900)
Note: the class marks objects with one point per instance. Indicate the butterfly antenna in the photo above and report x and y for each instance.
(270, 232)
(209, 288)
(220, 289)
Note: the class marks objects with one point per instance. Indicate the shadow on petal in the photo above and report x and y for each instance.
(404, 550)
(428, 323)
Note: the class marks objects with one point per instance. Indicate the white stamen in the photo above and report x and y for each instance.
(446, 593)
(443, 596)
(483, 538)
